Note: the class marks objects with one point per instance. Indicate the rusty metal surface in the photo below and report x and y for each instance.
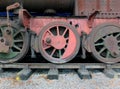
(107, 8)
(36, 24)
(24, 18)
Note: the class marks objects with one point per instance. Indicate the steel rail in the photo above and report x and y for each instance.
(60, 66)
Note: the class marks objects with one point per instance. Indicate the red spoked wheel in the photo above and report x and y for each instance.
(59, 42)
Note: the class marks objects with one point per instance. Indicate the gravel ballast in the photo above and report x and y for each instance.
(68, 79)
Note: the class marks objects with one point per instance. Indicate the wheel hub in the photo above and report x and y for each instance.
(58, 42)
(111, 44)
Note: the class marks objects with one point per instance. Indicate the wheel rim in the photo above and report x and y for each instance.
(17, 41)
(56, 42)
(105, 43)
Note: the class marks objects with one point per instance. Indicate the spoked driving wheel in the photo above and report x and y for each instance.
(59, 42)
(105, 43)
(13, 42)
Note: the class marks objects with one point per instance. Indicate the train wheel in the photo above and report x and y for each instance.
(59, 42)
(16, 42)
(105, 43)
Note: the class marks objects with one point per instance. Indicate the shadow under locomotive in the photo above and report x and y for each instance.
(39, 59)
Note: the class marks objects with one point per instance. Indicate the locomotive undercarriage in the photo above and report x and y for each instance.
(59, 39)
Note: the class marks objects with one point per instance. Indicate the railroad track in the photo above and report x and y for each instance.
(61, 66)
(83, 69)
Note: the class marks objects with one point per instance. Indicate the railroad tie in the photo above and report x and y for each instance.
(24, 74)
(53, 73)
(83, 73)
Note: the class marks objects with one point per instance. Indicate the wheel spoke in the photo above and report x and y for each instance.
(102, 50)
(98, 44)
(47, 47)
(60, 54)
(11, 50)
(107, 55)
(58, 33)
(53, 52)
(16, 47)
(117, 35)
(67, 38)
(118, 41)
(18, 41)
(64, 32)
(18, 32)
(50, 32)
(103, 39)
